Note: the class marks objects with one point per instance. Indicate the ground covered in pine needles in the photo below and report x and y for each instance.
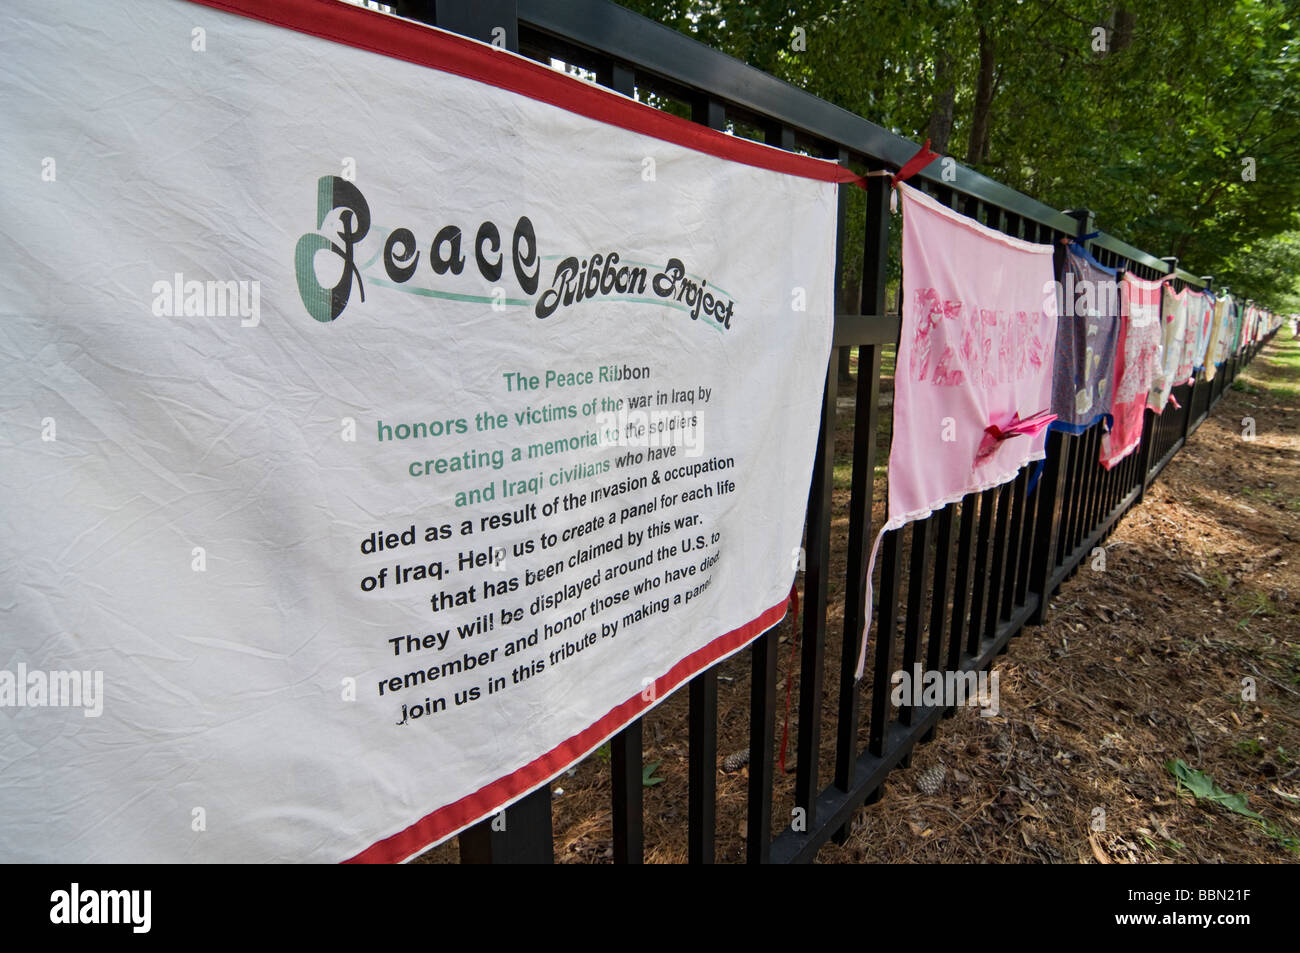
(1154, 717)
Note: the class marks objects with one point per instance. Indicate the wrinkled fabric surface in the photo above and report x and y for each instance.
(1136, 364)
(331, 391)
(1086, 333)
(975, 351)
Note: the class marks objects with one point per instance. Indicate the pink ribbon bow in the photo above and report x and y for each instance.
(994, 434)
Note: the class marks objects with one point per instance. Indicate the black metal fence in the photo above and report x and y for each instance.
(953, 588)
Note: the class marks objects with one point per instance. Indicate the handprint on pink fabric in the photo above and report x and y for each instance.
(929, 311)
(949, 372)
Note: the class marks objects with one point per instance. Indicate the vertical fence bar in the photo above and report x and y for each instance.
(1092, 499)
(762, 735)
(1026, 542)
(887, 624)
(1014, 541)
(617, 77)
(917, 584)
(1143, 454)
(703, 715)
(1044, 545)
(521, 836)
(983, 587)
(627, 746)
(625, 766)
(816, 580)
(999, 560)
(940, 612)
(939, 609)
(1074, 499)
(523, 833)
(875, 274)
(702, 771)
(962, 581)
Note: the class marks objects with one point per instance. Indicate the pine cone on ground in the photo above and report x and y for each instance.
(735, 761)
(931, 780)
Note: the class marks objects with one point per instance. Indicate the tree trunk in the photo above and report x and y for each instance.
(1125, 23)
(939, 129)
(978, 149)
(852, 301)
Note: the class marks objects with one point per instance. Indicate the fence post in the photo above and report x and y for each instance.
(1043, 551)
(521, 834)
(873, 290)
(1144, 452)
(489, 21)
(702, 713)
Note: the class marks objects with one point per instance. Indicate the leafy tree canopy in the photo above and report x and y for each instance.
(1177, 122)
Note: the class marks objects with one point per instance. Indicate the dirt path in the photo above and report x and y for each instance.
(1140, 664)
(1145, 662)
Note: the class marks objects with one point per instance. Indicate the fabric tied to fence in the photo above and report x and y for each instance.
(1086, 332)
(1253, 321)
(974, 369)
(1173, 331)
(1136, 365)
(1204, 329)
(1239, 326)
(1220, 331)
(1193, 302)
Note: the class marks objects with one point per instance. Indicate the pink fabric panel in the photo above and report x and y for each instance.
(1135, 366)
(1173, 340)
(973, 381)
(978, 326)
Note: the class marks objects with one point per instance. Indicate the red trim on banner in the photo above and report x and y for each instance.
(437, 49)
(447, 52)
(488, 799)
(915, 164)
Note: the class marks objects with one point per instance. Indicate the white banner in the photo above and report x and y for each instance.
(378, 440)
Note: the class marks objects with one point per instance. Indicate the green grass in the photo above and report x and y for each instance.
(1275, 372)
(843, 476)
(1250, 748)
(1218, 579)
(1253, 602)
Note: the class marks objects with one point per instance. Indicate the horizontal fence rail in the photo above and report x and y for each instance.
(954, 588)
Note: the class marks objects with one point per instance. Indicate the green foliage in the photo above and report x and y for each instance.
(648, 780)
(1202, 787)
(1150, 132)
(1249, 748)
